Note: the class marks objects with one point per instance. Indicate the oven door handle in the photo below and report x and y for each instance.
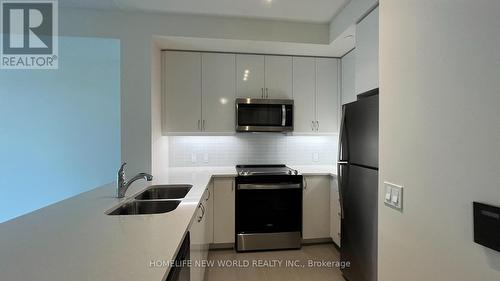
(268, 186)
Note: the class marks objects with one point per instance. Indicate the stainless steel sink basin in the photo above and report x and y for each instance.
(164, 192)
(145, 208)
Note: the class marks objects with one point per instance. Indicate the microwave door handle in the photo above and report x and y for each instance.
(283, 115)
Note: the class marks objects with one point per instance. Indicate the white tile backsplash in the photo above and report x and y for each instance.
(251, 149)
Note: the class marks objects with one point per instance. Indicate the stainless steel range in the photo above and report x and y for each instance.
(268, 208)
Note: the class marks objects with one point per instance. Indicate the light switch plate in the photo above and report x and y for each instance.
(388, 193)
(393, 196)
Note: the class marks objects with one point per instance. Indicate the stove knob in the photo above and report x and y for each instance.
(295, 172)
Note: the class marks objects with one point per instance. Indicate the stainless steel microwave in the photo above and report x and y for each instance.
(264, 115)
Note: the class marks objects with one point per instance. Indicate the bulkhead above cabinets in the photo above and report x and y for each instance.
(200, 88)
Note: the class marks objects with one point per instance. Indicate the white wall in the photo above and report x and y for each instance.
(136, 31)
(439, 136)
(59, 129)
(252, 149)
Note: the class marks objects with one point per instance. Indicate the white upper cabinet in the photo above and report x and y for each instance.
(200, 89)
(327, 97)
(304, 88)
(367, 53)
(315, 92)
(348, 92)
(250, 76)
(182, 74)
(218, 92)
(278, 77)
(264, 77)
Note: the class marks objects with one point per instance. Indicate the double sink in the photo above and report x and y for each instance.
(156, 199)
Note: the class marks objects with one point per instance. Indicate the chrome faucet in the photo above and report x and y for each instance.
(123, 184)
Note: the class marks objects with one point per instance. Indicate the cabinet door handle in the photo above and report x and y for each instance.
(312, 125)
(317, 125)
(305, 183)
(267, 93)
(232, 186)
(261, 93)
(199, 128)
(203, 125)
(208, 195)
(202, 211)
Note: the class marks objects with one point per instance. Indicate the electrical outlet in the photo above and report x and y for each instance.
(315, 157)
(193, 158)
(205, 157)
(393, 196)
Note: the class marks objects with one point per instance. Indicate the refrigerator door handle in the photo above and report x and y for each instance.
(340, 183)
(342, 162)
(341, 136)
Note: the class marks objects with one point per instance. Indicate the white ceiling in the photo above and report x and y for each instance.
(319, 11)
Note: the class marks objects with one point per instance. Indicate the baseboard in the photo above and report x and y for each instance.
(317, 241)
(230, 246)
(221, 246)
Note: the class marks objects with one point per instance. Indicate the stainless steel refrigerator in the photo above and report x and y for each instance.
(358, 186)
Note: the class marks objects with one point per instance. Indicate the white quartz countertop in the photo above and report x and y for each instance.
(75, 239)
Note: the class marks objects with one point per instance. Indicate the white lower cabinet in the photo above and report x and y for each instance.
(200, 231)
(197, 245)
(223, 214)
(335, 215)
(209, 206)
(316, 207)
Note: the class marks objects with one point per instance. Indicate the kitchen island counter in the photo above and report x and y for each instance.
(76, 240)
